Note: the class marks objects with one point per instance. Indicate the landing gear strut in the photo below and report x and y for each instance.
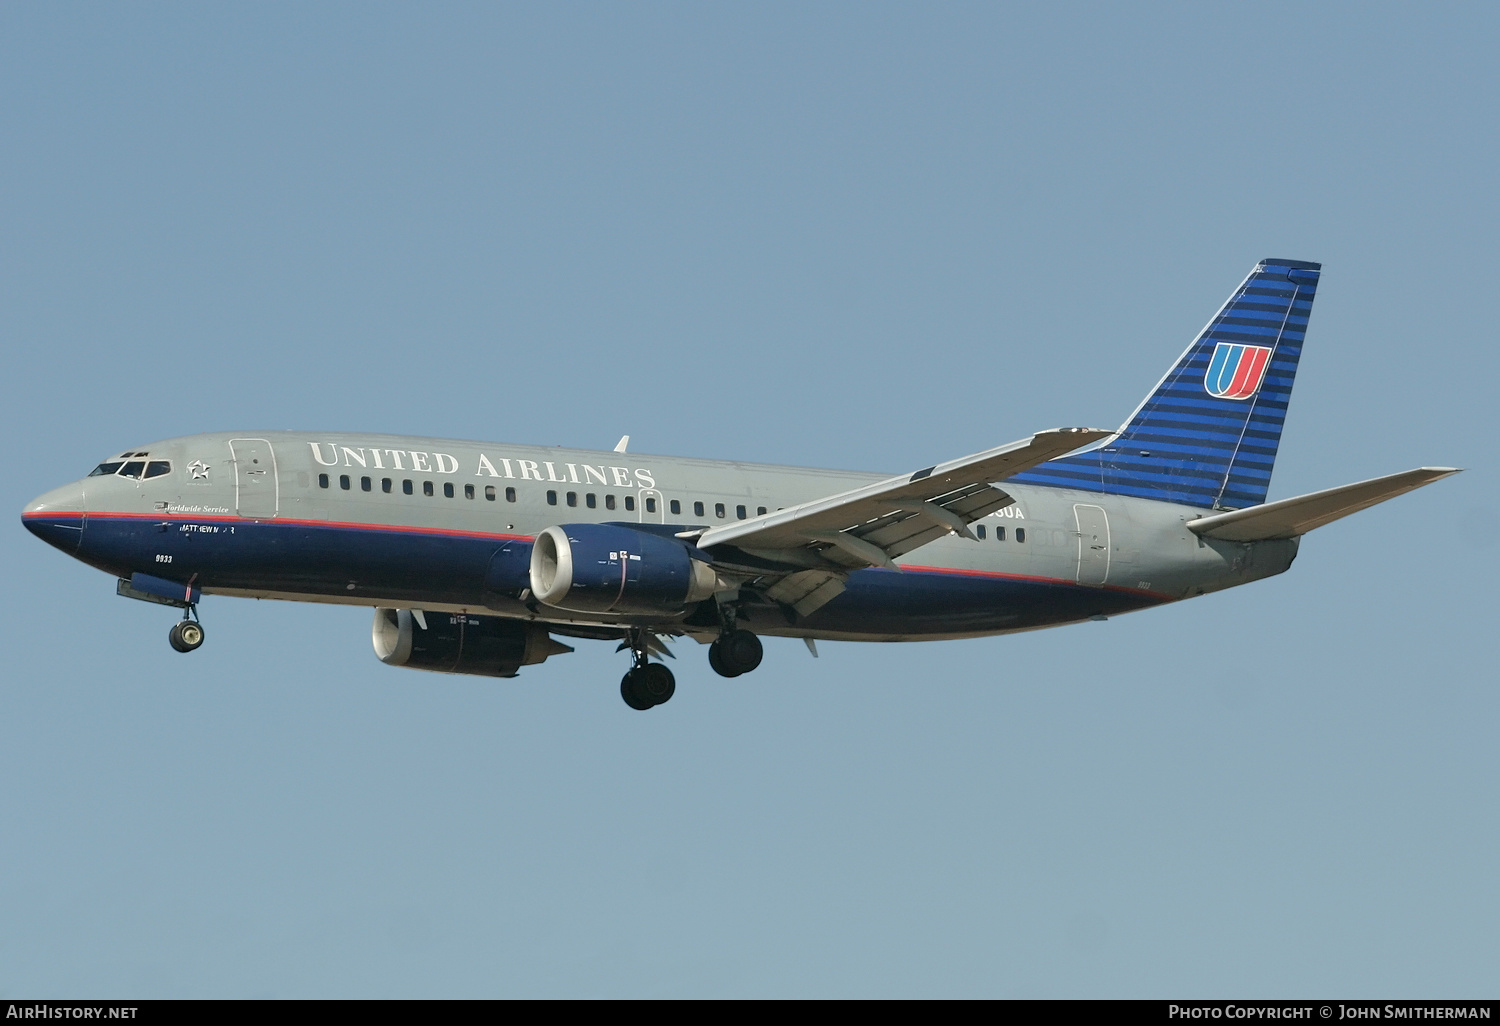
(647, 684)
(186, 634)
(736, 652)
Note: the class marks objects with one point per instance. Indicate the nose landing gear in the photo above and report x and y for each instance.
(186, 634)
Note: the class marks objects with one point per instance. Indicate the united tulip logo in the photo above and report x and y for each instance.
(1236, 370)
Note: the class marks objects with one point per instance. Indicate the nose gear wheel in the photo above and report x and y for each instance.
(186, 635)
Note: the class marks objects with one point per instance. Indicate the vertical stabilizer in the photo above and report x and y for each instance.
(1207, 436)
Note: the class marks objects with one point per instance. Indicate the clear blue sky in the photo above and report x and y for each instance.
(854, 235)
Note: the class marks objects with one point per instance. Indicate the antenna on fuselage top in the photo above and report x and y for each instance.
(624, 441)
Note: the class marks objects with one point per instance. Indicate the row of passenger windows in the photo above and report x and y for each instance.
(674, 506)
(590, 499)
(388, 486)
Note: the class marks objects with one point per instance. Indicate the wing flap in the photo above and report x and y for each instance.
(915, 523)
(807, 590)
(1290, 518)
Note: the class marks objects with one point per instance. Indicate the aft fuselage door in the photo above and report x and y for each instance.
(650, 509)
(1093, 544)
(257, 493)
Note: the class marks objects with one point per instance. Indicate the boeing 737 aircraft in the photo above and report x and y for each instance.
(476, 556)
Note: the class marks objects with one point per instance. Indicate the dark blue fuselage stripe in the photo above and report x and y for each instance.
(416, 566)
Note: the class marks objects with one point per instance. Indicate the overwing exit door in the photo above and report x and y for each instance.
(650, 510)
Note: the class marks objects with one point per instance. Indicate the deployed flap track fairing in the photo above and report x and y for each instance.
(474, 555)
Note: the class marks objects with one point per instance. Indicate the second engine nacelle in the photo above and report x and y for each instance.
(489, 646)
(604, 568)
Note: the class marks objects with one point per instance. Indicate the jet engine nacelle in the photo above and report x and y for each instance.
(603, 568)
(489, 646)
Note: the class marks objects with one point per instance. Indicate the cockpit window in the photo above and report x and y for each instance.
(134, 468)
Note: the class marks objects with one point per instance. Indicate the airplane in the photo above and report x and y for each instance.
(478, 556)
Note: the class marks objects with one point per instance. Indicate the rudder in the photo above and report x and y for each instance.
(1208, 434)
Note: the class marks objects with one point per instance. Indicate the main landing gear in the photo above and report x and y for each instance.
(186, 634)
(647, 684)
(736, 652)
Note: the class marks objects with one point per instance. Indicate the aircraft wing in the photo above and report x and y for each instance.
(871, 526)
(1290, 518)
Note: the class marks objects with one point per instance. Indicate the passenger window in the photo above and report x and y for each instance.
(979, 531)
(344, 482)
(650, 504)
(1000, 533)
(156, 468)
(697, 509)
(1020, 534)
(572, 498)
(676, 507)
(468, 491)
(551, 498)
(630, 503)
(105, 468)
(719, 510)
(385, 485)
(322, 480)
(406, 486)
(132, 469)
(591, 500)
(739, 511)
(609, 502)
(760, 511)
(510, 495)
(427, 489)
(489, 493)
(365, 484)
(447, 489)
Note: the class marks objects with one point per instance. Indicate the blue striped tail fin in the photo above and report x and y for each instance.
(1207, 436)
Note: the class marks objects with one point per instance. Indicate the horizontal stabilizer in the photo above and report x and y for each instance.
(1290, 518)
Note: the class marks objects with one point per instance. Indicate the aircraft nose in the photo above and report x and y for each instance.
(56, 517)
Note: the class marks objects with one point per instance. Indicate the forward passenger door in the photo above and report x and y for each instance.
(256, 489)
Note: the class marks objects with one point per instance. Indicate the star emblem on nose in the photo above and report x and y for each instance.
(199, 469)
